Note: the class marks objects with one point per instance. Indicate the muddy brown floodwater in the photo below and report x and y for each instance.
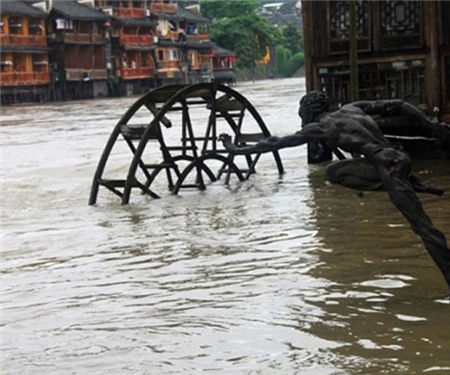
(286, 275)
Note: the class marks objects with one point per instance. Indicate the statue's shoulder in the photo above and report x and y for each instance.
(347, 110)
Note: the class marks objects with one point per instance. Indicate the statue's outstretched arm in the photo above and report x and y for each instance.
(393, 107)
(310, 132)
(266, 145)
(379, 107)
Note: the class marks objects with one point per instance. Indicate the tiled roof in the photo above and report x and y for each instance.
(189, 16)
(72, 10)
(29, 49)
(224, 75)
(183, 15)
(20, 8)
(199, 45)
(219, 51)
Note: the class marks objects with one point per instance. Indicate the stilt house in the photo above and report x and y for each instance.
(78, 44)
(24, 54)
(223, 61)
(131, 44)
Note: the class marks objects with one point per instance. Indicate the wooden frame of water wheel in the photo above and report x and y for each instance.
(196, 150)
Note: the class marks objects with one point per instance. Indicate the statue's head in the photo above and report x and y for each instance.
(312, 104)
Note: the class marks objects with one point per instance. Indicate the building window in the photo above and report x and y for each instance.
(400, 24)
(339, 26)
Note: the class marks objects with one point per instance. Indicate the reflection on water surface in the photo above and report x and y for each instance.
(272, 276)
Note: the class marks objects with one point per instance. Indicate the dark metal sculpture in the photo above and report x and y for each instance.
(377, 163)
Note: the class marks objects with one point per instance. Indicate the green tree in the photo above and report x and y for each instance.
(282, 56)
(215, 9)
(287, 63)
(295, 63)
(237, 27)
(292, 38)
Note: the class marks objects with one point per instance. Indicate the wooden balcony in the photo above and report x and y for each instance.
(195, 66)
(171, 35)
(136, 73)
(163, 8)
(97, 39)
(24, 78)
(205, 66)
(197, 37)
(129, 12)
(23, 40)
(7, 79)
(77, 38)
(82, 38)
(42, 77)
(168, 65)
(136, 40)
(77, 74)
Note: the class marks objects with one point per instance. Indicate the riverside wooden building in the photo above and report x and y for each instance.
(403, 51)
(74, 49)
(132, 45)
(76, 37)
(24, 60)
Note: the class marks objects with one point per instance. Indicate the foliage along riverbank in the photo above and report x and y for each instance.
(262, 49)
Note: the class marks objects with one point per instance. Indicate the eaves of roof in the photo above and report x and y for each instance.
(186, 15)
(20, 8)
(224, 74)
(199, 45)
(25, 49)
(221, 52)
(72, 10)
(139, 48)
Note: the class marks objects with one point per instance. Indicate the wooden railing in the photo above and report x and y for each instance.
(197, 37)
(163, 8)
(77, 74)
(78, 38)
(97, 38)
(205, 66)
(168, 64)
(171, 35)
(132, 73)
(143, 40)
(7, 79)
(195, 66)
(83, 38)
(129, 12)
(24, 78)
(205, 62)
(23, 40)
(42, 77)
(221, 68)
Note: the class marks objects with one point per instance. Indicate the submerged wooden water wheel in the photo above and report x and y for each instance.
(162, 134)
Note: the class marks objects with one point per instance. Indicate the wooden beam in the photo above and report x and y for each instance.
(353, 41)
(432, 69)
(371, 60)
(307, 16)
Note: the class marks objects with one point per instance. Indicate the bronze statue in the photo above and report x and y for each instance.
(377, 163)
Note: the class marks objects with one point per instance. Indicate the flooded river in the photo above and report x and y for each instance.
(274, 275)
